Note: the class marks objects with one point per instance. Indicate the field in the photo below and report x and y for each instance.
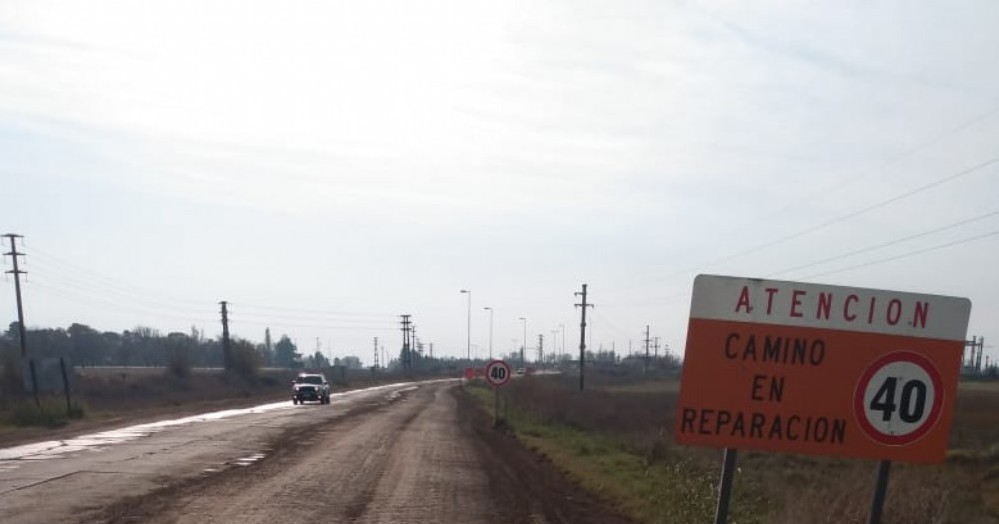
(112, 395)
(615, 439)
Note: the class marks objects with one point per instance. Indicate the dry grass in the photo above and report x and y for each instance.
(635, 422)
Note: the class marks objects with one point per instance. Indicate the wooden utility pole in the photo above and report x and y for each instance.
(22, 333)
(541, 350)
(21, 329)
(647, 348)
(582, 335)
(226, 348)
(406, 363)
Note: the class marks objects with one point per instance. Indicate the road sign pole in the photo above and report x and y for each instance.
(725, 489)
(496, 416)
(880, 489)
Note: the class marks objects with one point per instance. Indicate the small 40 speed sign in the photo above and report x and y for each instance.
(497, 373)
(899, 398)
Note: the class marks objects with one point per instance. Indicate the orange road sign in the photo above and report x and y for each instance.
(817, 369)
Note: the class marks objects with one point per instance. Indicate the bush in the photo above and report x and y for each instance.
(244, 359)
(178, 362)
(50, 414)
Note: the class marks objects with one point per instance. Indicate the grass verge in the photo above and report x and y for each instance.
(668, 488)
(48, 413)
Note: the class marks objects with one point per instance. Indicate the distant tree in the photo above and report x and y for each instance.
(178, 359)
(88, 346)
(286, 355)
(317, 360)
(266, 349)
(351, 362)
(244, 358)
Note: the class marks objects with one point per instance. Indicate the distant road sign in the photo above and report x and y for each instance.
(829, 370)
(498, 373)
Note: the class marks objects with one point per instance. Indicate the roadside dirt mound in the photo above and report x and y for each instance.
(520, 478)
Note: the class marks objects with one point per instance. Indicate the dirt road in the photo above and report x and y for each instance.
(413, 454)
(403, 463)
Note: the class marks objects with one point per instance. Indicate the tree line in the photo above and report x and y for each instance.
(145, 346)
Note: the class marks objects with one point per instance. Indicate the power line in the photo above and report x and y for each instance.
(316, 312)
(886, 244)
(238, 321)
(77, 298)
(854, 214)
(905, 255)
(835, 220)
(864, 173)
(84, 285)
(90, 276)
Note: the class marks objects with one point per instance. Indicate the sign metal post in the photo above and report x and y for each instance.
(497, 375)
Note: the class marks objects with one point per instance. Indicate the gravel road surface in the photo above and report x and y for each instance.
(406, 453)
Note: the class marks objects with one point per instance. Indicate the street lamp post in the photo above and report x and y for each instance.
(490, 332)
(563, 339)
(523, 346)
(468, 332)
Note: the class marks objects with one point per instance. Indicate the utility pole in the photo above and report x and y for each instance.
(582, 335)
(406, 364)
(655, 346)
(22, 333)
(523, 364)
(981, 349)
(376, 352)
(541, 349)
(468, 331)
(562, 326)
(490, 332)
(21, 330)
(647, 349)
(225, 335)
(553, 354)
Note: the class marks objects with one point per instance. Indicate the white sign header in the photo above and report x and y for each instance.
(830, 307)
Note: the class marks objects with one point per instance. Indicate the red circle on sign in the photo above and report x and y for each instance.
(860, 407)
(498, 378)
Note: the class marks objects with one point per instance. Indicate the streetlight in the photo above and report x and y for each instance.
(563, 339)
(468, 342)
(490, 331)
(523, 364)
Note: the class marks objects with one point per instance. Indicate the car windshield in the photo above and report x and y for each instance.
(310, 379)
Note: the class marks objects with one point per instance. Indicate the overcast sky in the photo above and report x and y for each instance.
(327, 166)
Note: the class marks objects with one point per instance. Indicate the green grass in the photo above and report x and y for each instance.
(670, 488)
(51, 413)
(659, 386)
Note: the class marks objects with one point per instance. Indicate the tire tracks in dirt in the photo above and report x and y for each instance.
(429, 456)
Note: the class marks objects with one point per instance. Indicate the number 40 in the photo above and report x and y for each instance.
(913, 400)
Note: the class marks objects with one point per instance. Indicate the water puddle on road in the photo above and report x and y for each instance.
(9, 457)
(246, 461)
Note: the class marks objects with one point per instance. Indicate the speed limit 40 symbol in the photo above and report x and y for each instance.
(497, 373)
(899, 398)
